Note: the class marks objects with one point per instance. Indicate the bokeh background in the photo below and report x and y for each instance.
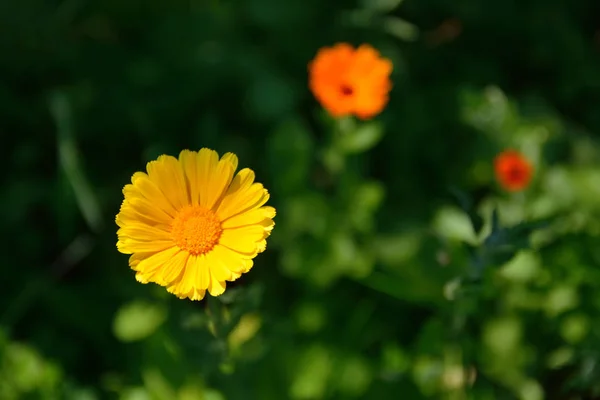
(397, 269)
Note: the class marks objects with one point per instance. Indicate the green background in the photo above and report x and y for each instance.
(397, 267)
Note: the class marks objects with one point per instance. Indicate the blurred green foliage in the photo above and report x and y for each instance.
(397, 266)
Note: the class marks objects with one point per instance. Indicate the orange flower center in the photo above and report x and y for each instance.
(196, 230)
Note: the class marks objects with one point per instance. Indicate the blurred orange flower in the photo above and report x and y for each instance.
(349, 81)
(513, 170)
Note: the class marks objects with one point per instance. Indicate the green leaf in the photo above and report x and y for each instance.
(361, 139)
(413, 286)
(452, 223)
(381, 6)
(137, 320)
(157, 385)
(354, 376)
(333, 160)
(246, 329)
(314, 368)
(575, 328)
(370, 195)
(394, 358)
(401, 29)
(310, 317)
(367, 199)
(468, 206)
(70, 161)
(490, 111)
(561, 299)
(397, 249)
(502, 335)
(524, 267)
(135, 393)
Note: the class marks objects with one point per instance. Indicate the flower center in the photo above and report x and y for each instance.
(196, 230)
(516, 173)
(347, 90)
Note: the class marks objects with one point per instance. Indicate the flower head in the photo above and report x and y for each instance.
(191, 225)
(349, 81)
(513, 170)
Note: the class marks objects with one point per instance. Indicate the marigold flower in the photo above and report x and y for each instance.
(190, 225)
(513, 170)
(348, 81)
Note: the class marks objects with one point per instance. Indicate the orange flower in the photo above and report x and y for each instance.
(350, 81)
(513, 170)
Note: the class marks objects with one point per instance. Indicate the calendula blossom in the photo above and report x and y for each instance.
(513, 170)
(191, 224)
(350, 81)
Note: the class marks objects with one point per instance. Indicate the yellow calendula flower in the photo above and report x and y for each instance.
(191, 225)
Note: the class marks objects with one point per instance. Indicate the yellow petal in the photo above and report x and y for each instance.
(231, 260)
(148, 210)
(206, 165)
(195, 277)
(142, 232)
(248, 264)
(175, 290)
(136, 258)
(130, 191)
(197, 294)
(148, 189)
(267, 225)
(130, 246)
(249, 217)
(189, 162)
(242, 195)
(184, 285)
(221, 179)
(147, 267)
(241, 183)
(128, 215)
(172, 270)
(216, 287)
(214, 175)
(202, 273)
(218, 269)
(243, 240)
(231, 159)
(261, 246)
(167, 174)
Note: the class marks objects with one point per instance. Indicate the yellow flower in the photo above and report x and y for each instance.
(190, 225)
